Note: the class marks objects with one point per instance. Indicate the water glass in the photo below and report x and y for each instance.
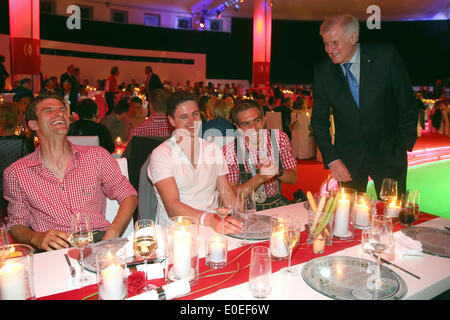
(260, 272)
(413, 201)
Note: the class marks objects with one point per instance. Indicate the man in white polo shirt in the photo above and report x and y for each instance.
(186, 170)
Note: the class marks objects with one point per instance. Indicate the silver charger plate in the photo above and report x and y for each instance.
(259, 229)
(345, 278)
(434, 241)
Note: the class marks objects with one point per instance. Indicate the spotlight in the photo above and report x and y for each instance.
(236, 7)
(271, 3)
(219, 14)
(202, 23)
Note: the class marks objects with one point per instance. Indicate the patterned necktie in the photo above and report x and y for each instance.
(352, 82)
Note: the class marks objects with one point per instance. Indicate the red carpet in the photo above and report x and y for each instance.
(311, 173)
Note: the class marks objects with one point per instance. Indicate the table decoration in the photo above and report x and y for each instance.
(278, 238)
(111, 273)
(321, 219)
(16, 272)
(362, 210)
(216, 251)
(182, 250)
(343, 223)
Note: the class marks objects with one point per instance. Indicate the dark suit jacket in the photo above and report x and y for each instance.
(384, 126)
(91, 128)
(154, 83)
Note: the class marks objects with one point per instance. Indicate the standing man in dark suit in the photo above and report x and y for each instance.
(367, 89)
(152, 81)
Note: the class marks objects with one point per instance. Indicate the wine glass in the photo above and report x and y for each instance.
(245, 208)
(224, 206)
(80, 235)
(413, 200)
(145, 244)
(380, 238)
(292, 236)
(388, 192)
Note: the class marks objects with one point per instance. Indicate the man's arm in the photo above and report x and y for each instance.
(122, 219)
(48, 241)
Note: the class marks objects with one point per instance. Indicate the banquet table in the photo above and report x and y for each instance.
(53, 281)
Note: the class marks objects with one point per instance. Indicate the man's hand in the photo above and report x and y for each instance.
(268, 170)
(51, 240)
(230, 225)
(339, 171)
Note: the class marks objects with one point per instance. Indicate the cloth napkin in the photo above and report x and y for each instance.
(406, 246)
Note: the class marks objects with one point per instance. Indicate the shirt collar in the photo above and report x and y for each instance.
(356, 56)
(36, 159)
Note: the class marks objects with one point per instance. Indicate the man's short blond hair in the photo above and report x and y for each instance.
(348, 22)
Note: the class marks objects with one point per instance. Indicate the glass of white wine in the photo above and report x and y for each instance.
(145, 244)
(291, 237)
(388, 192)
(224, 206)
(80, 235)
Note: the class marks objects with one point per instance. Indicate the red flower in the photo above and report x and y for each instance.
(136, 282)
(380, 207)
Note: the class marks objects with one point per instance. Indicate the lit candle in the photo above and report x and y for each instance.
(12, 281)
(278, 245)
(113, 286)
(342, 216)
(216, 250)
(362, 214)
(118, 141)
(182, 253)
(393, 209)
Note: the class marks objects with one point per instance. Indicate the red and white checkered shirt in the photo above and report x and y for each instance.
(155, 126)
(37, 199)
(271, 187)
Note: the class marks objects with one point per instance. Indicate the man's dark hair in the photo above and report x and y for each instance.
(31, 113)
(176, 99)
(87, 108)
(122, 106)
(25, 80)
(243, 106)
(24, 93)
(158, 99)
(149, 68)
(114, 70)
(136, 99)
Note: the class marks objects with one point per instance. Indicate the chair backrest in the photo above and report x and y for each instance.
(148, 203)
(274, 121)
(112, 206)
(84, 140)
(220, 140)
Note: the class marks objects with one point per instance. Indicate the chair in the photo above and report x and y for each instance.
(112, 206)
(148, 203)
(273, 120)
(220, 140)
(12, 148)
(84, 140)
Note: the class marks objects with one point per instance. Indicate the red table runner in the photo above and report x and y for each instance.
(236, 271)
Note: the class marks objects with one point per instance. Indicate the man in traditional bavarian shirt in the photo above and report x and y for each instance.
(258, 159)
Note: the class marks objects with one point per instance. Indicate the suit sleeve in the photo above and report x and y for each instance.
(406, 102)
(320, 119)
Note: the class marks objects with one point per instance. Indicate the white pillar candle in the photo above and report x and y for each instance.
(113, 286)
(278, 245)
(393, 209)
(216, 251)
(12, 281)
(362, 215)
(342, 216)
(182, 253)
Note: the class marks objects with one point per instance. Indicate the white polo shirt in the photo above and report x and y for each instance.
(197, 187)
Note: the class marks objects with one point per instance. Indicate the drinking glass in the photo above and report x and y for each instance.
(292, 237)
(260, 272)
(80, 235)
(380, 238)
(245, 208)
(366, 247)
(388, 191)
(224, 206)
(3, 233)
(145, 244)
(413, 201)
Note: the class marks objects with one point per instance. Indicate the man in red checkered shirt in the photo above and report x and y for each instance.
(59, 179)
(259, 159)
(158, 124)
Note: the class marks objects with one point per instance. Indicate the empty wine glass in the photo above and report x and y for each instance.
(380, 238)
(145, 244)
(245, 209)
(413, 201)
(80, 235)
(388, 192)
(224, 205)
(292, 236)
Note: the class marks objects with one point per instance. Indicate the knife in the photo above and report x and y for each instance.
(72, 269)
(394, 265)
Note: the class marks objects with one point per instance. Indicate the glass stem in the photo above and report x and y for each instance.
(223, 226)
(289, 262)
(146, 277)
(82, 266)
(379, 268)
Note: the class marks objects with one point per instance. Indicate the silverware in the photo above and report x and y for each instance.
(72, 269)
(447, 228)
(394, 265)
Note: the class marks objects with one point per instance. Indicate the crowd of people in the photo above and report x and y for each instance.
(373, 131)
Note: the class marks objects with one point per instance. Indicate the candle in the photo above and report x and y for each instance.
(278, 245)
(362, 215)
(118, 141)
(216, 250)
(113, 286)
(342, 216)
(12, 281)
(393, 209)
(182, 253)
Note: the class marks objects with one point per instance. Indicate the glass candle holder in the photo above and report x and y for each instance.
(393, 208)
(362, 210)
(322, 219)
(216, 252)
(344, 223)
(112, 273)
(182, 250)
(278, 237)
(16, 272)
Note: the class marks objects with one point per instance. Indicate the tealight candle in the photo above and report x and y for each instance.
(12, 281)
(278, 245)
(393, 209)
(342, 217)
(113, 287)
(216, 250)
(118, 141)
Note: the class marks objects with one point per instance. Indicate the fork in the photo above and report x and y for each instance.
(71, 268)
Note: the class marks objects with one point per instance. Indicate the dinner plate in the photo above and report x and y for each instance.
(434, 241)
(259, 229)
(346, 278)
